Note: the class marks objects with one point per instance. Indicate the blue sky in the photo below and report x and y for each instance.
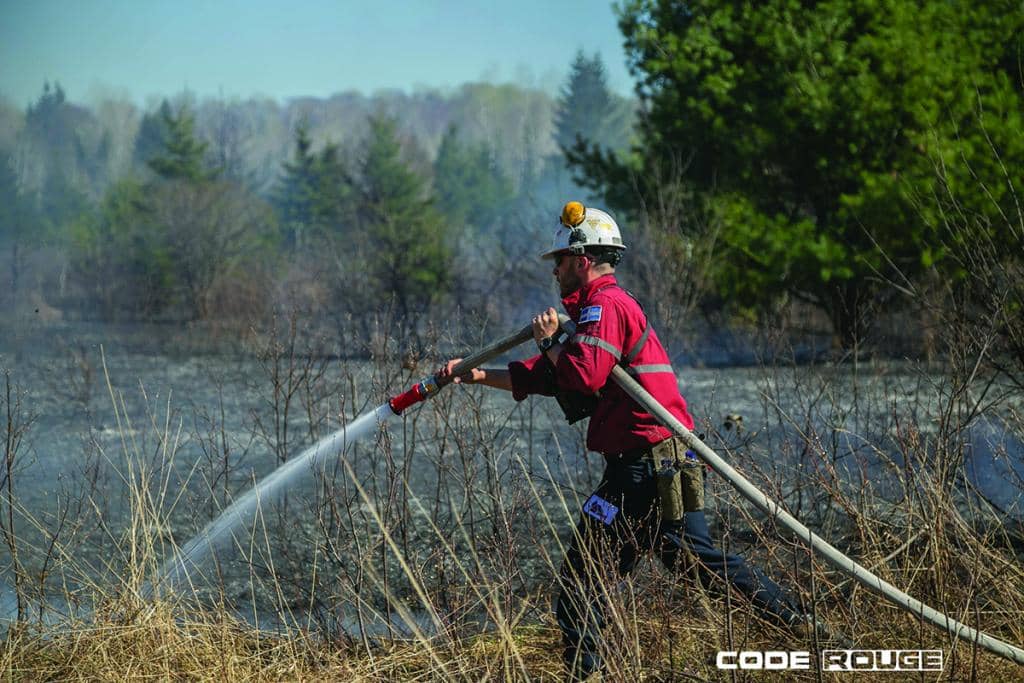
(142, 48)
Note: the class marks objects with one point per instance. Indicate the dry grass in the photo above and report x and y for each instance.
(156, 644)
(466, 555)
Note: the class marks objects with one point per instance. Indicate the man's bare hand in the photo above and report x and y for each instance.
(545, 324)
(470, 377)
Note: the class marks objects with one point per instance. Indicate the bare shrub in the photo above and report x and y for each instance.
(431, 550)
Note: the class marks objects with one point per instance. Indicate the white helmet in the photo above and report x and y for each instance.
(580, 227)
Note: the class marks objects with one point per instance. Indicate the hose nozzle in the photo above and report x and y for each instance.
(420, 391)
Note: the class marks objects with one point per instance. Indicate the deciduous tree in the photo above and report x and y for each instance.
(814, 132)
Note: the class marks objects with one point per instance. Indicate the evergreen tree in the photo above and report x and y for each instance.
(118, 239)
(183, 155)
(313, 194)
(406, 248)
(60, 201)
(151, 139)
(296, 191)
(586, 113)
(586, 106)
(468, 185)
(332, 196)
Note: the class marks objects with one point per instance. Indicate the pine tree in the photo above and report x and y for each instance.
(151, 139)
(406, 238)
(313, 195)
(586, 105)
(468, 185)
(295, 193)
(183, 155)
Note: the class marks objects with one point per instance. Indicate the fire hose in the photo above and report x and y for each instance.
(428, 387)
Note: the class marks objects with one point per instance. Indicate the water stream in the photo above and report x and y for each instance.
(849, 419)
(220, 533)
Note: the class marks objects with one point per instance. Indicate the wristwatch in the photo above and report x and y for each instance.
(545, 344)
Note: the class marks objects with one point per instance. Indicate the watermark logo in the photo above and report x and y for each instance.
(831, 660)
(881, 660)
(772, 660)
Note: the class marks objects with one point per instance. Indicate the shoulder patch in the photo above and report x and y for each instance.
(590, 314)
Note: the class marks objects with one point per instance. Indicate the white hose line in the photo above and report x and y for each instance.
(820, 545)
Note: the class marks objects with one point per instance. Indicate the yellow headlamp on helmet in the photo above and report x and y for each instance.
(580, 227)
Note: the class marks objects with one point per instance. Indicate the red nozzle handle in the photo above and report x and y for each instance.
(429, 386)
(409, 398)
(419, 392)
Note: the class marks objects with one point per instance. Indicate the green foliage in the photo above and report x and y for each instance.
(151, 140)
(60, 201)
(588, 111)
(163, 247)
(119, 239)
(183, 154)
(313, 196)
(511, 121)
(585, 103)
(404, 234)
(468, 185)
(210, 231)
(816, 131)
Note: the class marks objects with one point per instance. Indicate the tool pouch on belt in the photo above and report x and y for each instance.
(666, 470)
(692, 475)
(680, 479)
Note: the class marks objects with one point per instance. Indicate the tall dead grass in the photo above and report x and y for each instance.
(431, 551)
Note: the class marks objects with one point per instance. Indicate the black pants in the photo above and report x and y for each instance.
(603, 551)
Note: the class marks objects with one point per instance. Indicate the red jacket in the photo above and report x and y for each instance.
(609, 323)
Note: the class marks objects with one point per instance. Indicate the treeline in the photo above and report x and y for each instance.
(204, 211)
(848, 168)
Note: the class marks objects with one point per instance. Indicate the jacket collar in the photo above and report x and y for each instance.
(575, 301)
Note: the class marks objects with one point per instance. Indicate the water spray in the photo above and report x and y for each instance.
(186, 561)
(429, 386)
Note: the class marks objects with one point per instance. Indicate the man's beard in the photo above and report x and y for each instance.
(568, 284)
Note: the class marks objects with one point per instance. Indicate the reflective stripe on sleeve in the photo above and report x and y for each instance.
(648, 369)
(599, 343)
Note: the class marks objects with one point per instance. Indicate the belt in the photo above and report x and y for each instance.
(637, 453)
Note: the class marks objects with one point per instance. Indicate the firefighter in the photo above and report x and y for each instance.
(651, 496)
